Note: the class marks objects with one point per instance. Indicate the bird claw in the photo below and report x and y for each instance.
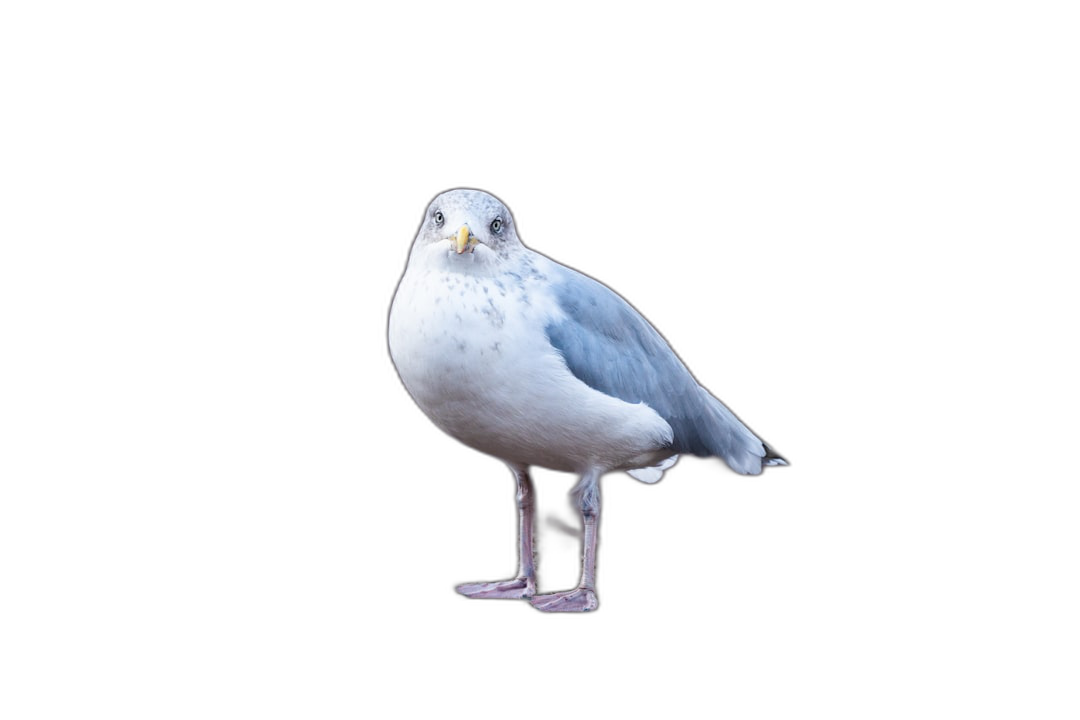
(515, 589)
(576, 600)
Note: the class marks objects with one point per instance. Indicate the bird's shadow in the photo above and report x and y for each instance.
(563, 526)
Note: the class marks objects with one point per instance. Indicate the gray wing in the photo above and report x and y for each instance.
(610, 347)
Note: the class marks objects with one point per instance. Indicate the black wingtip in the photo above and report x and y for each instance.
(772, 457)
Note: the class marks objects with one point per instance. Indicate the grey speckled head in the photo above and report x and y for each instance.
(488, 220)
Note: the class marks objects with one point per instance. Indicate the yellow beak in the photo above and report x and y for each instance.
(464, 239)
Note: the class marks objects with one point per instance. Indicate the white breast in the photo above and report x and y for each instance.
(473, 353)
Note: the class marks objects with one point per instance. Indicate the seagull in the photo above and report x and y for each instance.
(536, 364)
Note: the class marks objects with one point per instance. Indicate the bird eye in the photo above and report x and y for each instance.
(439, 218)
(496, 226)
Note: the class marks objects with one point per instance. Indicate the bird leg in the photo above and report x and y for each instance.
(524, 585)
(583, 597)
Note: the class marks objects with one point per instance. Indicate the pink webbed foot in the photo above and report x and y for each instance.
(576, 600)
(514, 589)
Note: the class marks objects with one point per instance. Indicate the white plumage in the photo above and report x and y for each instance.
(531, 362)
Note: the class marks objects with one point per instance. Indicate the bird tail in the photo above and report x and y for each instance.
(741, 449)
(653, 473)
(772, 457)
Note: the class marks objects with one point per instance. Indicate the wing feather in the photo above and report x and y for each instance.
(611, 348)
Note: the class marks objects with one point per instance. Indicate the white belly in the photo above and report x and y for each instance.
(479, 364)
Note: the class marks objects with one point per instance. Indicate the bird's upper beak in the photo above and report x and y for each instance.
(464, 240)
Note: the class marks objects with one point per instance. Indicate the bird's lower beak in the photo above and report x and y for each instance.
(465, 240)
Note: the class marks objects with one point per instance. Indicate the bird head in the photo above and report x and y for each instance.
(471, 225)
